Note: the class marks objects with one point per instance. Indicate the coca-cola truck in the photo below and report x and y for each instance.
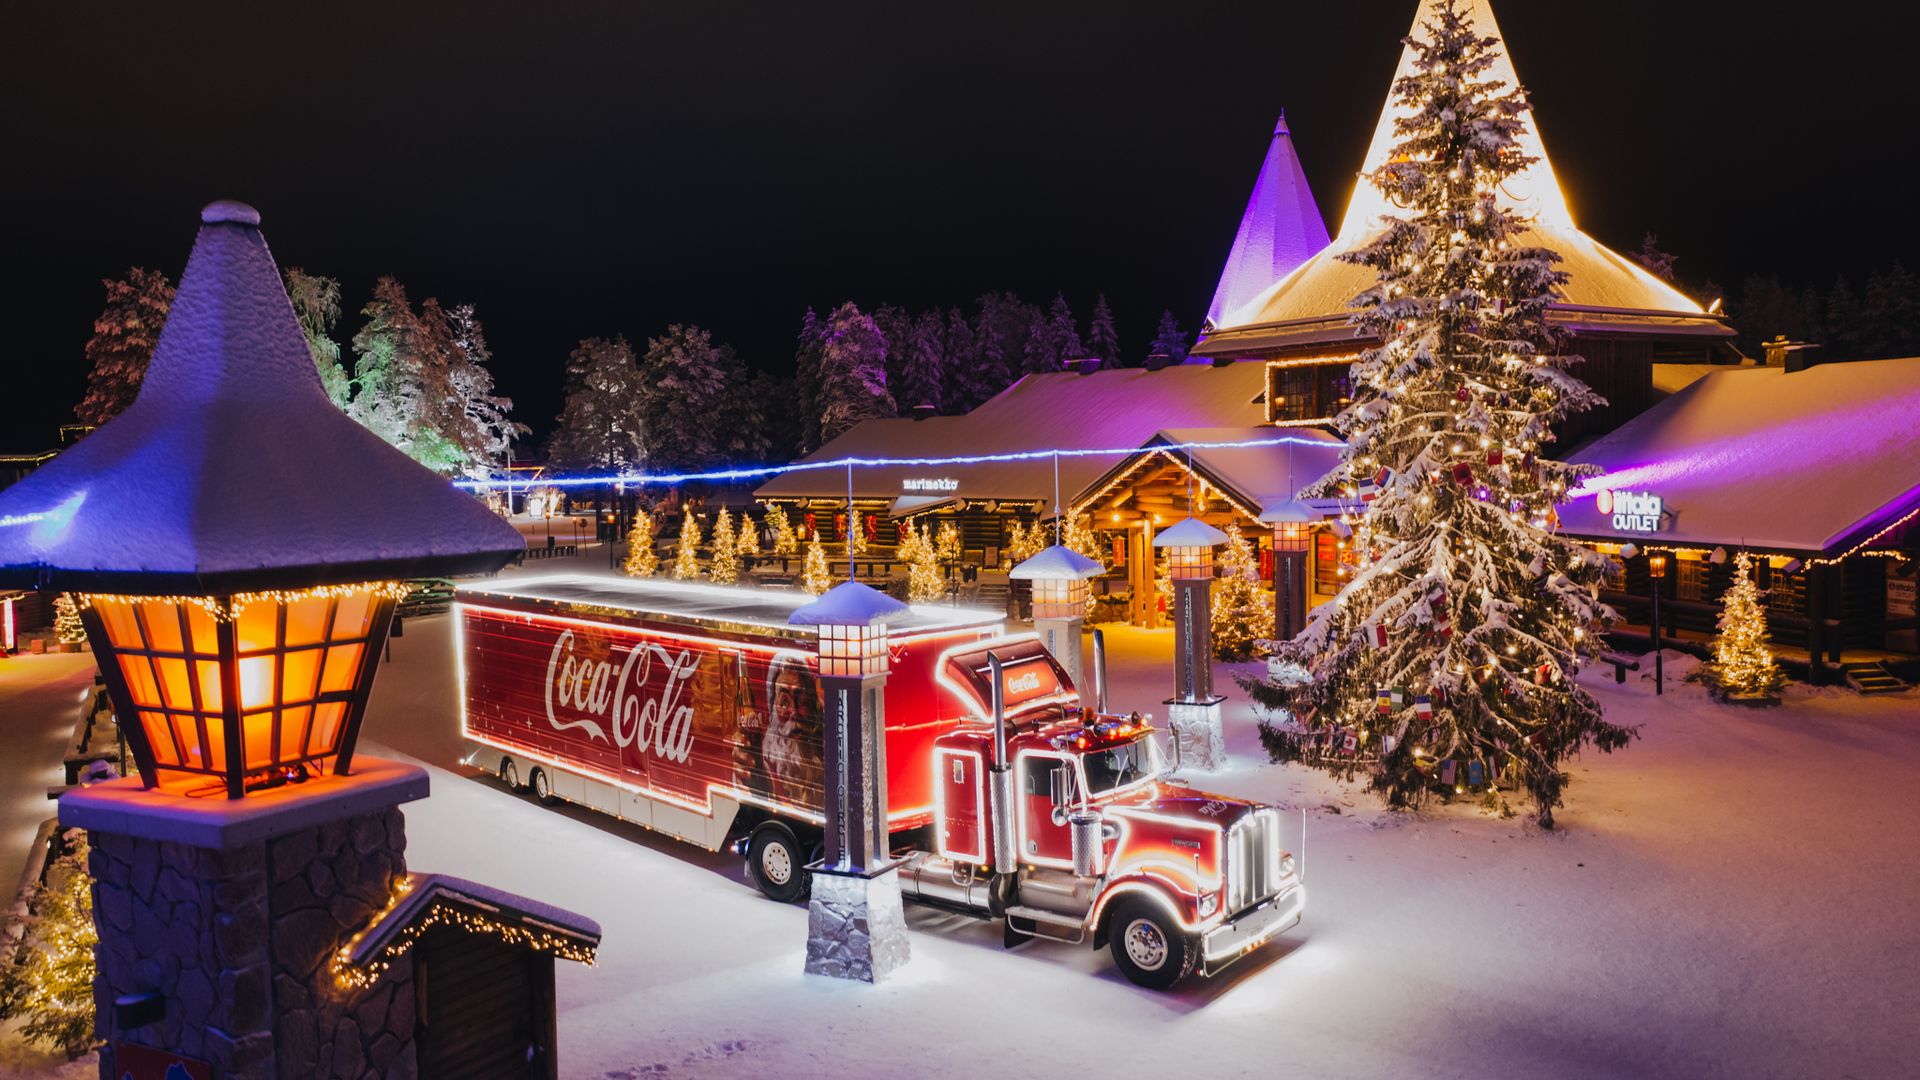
(693, 710)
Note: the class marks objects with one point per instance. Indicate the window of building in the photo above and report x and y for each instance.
(1690, 579)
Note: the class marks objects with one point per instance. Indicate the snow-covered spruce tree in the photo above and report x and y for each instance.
(686, 558)
(1743, 664)
(642, 561)
(724, 566)
(600, 422)
(1169, 341)
(316, 303)
(124, 335)
(814, 576)
(853, 372)
(1456, 637)
(1242, 610)
(1103, 343)
(682, 397)
(54, 983)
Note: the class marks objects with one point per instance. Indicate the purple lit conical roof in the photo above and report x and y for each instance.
(232, 470)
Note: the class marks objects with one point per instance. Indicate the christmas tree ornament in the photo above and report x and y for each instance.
(1384, 703)
(1475, 774)
(1423, 707)
(1463, 474)
(1494, 455)
(1447, 768)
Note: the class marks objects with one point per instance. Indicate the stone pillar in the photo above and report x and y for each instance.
(856, 928)
(1062, 639)
(1193, 713)
(230, 913)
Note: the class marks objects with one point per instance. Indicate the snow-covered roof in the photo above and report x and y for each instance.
(1262, 476)
(1281, 229)
(1189, 532)
(1113, 408)
(1813, 461)
(1056, 563)
(850, 603)
(232, 470)
(1605, 291)
(528, 923)
(732, 609)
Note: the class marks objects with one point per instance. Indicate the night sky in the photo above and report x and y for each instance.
(602, 169)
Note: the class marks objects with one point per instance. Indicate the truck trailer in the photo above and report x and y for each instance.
(693, 710)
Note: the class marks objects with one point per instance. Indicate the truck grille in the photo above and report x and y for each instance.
(1253, 860)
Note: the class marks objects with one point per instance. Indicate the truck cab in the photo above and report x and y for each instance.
(1066, 824)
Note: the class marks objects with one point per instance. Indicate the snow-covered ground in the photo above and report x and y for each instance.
(1735, 895)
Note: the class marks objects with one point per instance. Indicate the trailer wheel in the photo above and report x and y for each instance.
(1148, 945)
(541, 787)
(510, 774)
(775, 863)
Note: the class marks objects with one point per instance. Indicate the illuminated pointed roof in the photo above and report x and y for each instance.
(1605, 291)
(1281, 229)
(232, 470)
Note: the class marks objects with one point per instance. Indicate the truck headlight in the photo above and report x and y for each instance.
(1209, 904)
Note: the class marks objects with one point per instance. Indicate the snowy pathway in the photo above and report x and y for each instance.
(1732, 896)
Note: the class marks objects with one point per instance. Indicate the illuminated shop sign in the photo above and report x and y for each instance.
(1632, 511)
(929, 483)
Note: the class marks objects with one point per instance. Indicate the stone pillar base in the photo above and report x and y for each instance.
(856, 926)
(1199, 736)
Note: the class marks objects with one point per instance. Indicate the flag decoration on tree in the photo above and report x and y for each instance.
(1466, 360)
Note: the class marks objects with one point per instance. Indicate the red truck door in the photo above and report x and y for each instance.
(960, 804)
(1042, 843)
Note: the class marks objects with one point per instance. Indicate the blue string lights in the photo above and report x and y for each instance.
(881, 462)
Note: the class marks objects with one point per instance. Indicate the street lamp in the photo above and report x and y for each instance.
(1657, 570)
(1059, 575)
(1292, 538)
(1193, 713)
(856, 928)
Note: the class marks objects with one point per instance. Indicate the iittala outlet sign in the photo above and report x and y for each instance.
(1632, 511)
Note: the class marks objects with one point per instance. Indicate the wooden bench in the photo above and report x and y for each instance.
(1622, 664)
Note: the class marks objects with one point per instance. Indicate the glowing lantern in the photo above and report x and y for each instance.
(1190, 545)
(1059, 575)
(245, 688)
(851, 620)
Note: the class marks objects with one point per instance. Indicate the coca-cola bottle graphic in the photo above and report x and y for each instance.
(749, 758)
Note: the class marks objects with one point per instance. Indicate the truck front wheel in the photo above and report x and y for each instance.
(776, 864)
(1148, 945)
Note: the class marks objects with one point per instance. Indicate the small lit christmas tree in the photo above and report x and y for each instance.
(686, 560)
(1079, 537)
(746, 542)
(1743, 664)
(642, 561)
(856, 534)
(946, 545)
(922, 557)
(814, 577)
(724, 566)
(66, 620)
(786, 543)
(1024, 541)
(54, 983)
(1242, 610)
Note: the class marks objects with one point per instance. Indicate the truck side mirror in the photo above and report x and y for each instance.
(1060, 784)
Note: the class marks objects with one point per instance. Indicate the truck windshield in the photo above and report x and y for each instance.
(1119, 766)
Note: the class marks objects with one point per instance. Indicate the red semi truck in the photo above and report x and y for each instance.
(692, 710)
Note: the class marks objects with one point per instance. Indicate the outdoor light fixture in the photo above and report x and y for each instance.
(251, 688)
(1657, 570)
(1190, 545)
(853, 651)
(236, 543)
(1656, 565)
(1292, 538)
(1059, 575)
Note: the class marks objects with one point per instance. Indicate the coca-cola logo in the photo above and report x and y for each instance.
(1023, 684)
(644, 701)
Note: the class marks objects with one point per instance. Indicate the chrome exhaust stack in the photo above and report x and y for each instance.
(1099, 671)
(1006, 855)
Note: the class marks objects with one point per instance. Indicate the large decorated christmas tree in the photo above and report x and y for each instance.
(1446, 662)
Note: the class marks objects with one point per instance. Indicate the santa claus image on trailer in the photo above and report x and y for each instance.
(793, 748)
